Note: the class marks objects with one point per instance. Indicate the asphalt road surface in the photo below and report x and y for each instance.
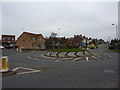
(101, 73)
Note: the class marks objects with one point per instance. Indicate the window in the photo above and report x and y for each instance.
(8, 38)
(3, 38)
(24, 41)
(33, 38)
(41, 41)
(12, 38)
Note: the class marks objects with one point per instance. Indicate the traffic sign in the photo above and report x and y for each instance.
(81, 43)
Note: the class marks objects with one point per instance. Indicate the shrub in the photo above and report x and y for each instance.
(112, 47)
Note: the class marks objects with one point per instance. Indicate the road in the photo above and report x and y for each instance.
(101, 73)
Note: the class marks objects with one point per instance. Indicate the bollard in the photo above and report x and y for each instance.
(87, 48)
(20, 50)
(4, 64)
(17, 49)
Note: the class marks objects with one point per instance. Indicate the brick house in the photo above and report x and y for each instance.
(55, 42)
(76, 40)
(8, 40)
(30, 41)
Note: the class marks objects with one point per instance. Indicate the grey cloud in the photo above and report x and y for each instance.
(90, 19)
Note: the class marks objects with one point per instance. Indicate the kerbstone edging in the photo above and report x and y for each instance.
(71, 54)
(67, 54)
(54, 54)
(62, 54)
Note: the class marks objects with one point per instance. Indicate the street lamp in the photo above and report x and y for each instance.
(116, 29)
(58, 32)
(53, 44)
(86, 43)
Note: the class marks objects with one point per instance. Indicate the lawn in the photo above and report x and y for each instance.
(113, 50)
(68, 50)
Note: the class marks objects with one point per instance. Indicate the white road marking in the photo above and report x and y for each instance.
(29, 57)
(76, 59)
(32, 70)
(15, 69)
(109, 71)
(95, 57)
(57, 60)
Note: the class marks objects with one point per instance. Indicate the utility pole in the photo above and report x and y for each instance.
(115, 29)
(58, 32)
(109, 39)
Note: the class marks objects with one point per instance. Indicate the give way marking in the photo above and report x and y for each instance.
(25, 72)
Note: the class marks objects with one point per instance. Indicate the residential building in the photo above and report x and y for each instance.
(8, 40)
(55, 42)
(76, 40)
(30, 41)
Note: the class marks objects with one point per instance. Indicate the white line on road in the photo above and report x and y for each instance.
(95, 57)
(76, 59)
(57, 60)
(22, 68)
(109, 71)
(15, 69)
(32, 70)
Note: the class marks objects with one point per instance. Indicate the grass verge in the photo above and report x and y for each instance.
(112, 50)
(68, 50)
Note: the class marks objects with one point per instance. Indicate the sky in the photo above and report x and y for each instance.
(91, 19)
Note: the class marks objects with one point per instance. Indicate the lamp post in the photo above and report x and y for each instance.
(58, 32)
(53, 44)
(86, 43)
(116, 29)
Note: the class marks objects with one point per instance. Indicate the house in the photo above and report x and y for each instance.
(30, 41)
(8, 40)
(76, 40)
(55, 42)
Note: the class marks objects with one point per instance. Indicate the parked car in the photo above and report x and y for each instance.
(9, 46)
(1, 47)
(92, 46)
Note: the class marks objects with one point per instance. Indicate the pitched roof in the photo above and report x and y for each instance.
(8, 35)
(31, 34)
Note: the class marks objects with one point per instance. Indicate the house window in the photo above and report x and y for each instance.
(12, 38)
(8, 38)
(33, 38)
(41, 41)
(3, 38)
(24, 41)
(34, 46)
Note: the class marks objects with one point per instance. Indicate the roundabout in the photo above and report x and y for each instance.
(66, 56)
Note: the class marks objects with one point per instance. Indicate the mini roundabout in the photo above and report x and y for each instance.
(79, 56)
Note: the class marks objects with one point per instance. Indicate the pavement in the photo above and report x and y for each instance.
(44, 72)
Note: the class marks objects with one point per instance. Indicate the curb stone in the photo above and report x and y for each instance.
(8, 73)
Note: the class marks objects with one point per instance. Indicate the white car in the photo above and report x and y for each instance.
(1, 47)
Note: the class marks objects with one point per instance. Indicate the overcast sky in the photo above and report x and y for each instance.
(92, 19)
